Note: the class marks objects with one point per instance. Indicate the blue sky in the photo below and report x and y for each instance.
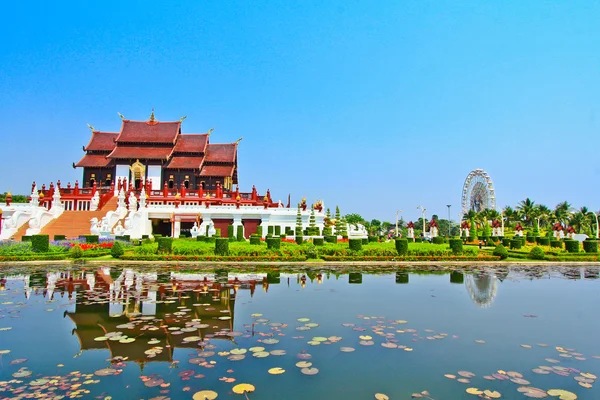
(373, 106)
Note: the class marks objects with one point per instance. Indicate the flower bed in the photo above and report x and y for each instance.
(410, 258)
(167, 257)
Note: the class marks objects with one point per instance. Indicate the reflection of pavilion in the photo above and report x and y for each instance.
(482, 288)
(140, 306)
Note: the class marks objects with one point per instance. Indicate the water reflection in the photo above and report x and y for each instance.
(482, 288)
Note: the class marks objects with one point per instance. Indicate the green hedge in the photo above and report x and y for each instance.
(270, 230)
(255, 240)
(331, 239)
(355, 244)
(274, 243)
(277, 230)
(418, 240)
(230, 233)
(572, 246)
(60, 237)
(372, 238)
(299, 239)
(556, 244)
(259, 230)
(117, 250)
(438, 240)
(456, 245)
(165, 245)
(26, 239)
(40, 243)
(365, 241)
(590, 246)
(506, 242)
(401, 246)
(240, 233)
(222, 246)
(500, 251)
(543, 241)
(318, 241)
(516, 244)
(537, 253)
(90, 238)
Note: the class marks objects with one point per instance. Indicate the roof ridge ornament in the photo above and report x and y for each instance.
(239, 140)
(152, 116)
(91, 128)
(121, 116)
(210, 131)
(182, 118)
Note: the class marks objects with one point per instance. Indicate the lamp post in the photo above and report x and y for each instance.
(449, 205)
(422, 217)
(397, 212)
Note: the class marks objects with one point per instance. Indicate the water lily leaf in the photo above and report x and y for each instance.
(243, 388)
(205, 394)
(256, 349)
(562, 394)
(474, 391)
(303, 319)
(365, 337)
(238, 351)
(4, 351)
(450, 376)
(303, 364)
(588, 375)
(381, 396)
(276, 371)
(347, 349)
(309, 371)
(492, 394)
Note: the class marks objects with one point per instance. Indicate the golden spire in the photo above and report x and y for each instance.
(121, 116)
(182, 118)
(210, 131)
(239, 140)
(91, 128)
(152, 115)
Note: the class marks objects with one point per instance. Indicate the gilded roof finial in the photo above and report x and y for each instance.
(152, 115)
(182, 118)
(121, 115)
(239, 140)
(91, 128)
(210, 131)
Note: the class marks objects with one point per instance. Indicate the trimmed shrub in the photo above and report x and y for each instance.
(90, 238)
(516, 244)
(438, 240)
(401, 246)
(537, 253)
(318, 241)
(355, 244)
(556, 243)
(572, 246)
(127, 237)
(282, 236)
(505, 242)
(40, 243)
(240, 233)
(500, 251)
(117, 250)
(543, 241)
(365, 241)
(255, 240)
(26, 239)
(530, 238)
(590, 246)
(60, 237)
(230, 234)
(165, 245)
(200, 238)
(456, 245)
(372, 238)
(145, 237)
(259, 230)
(299, 239)
(217, 232)
(222, 246)
(495, 239)
(331, 239)
(418, 240)
(277, 230)
(76, 252)
(274, 243)
(270, 230)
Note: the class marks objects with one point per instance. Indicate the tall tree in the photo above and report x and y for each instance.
(527, 209)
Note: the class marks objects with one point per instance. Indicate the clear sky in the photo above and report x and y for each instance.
(373, 106)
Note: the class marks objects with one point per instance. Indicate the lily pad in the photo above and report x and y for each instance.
(242, 388)
(205, 394)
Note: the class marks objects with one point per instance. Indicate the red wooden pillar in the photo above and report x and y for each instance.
(165, 190)
(76, 189)
(183, 190)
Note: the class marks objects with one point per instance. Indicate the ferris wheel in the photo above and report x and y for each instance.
(478, 192)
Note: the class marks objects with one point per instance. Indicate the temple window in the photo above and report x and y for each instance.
(92, 179)
(108, 180)
(171, 182)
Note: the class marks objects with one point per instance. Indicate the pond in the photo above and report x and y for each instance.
(158, 333)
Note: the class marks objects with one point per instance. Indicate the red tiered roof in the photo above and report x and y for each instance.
(217, 170)
(93, 160)
(102, 141)
(191, 143)
(221, 152)
(149, 132)
(148, 153)
(189, 162)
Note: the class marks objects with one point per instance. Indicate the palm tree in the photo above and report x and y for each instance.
(526, 208)
(471, 214)
(578, 221)
(562, 211)
(510, 215)
(545, 213)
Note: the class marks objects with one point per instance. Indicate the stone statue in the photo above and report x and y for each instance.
(132, 202)
(118, 231)
(195, 231)
(104, 225)
(95, 227)
(211, 229)
(279, 204)
(95, 202)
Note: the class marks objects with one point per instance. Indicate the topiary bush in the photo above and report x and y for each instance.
(259, 230)
(556, 244)
(277, 230)
(90, 238)
(26, 238)
(505, 242)
(456, 245)
(516, 244)
(372, 238)
(438, 240)
(318, 241)
(543, 241)
(401, 246)
(530, 238)
(537, 253)
(299, 239)
(331, 239)
(217, 232)
(255, 240)
(500, 251)
(60, 237)
(222, 246)
(230, 234)
(590, 246)
(274, 243)
(270, 230)
(355, 244)
(572, 246)
(365, 241)
(117, 250)
(40, 243)
(165, 245)
(240, 233)
(76, 252)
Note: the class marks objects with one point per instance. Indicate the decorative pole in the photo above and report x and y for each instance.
(397, 212)
(449, 205)
(422, 217)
